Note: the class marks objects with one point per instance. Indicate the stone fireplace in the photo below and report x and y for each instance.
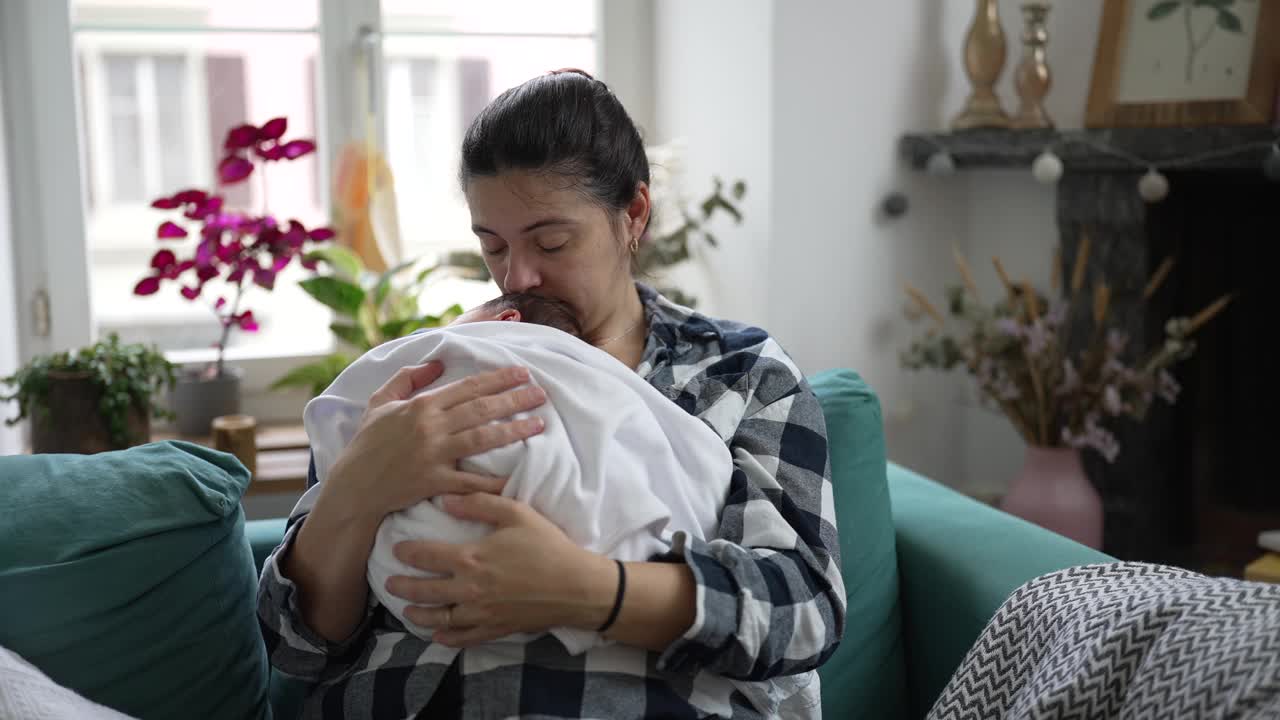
(1194, 483)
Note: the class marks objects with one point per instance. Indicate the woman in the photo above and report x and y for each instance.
(556, 178)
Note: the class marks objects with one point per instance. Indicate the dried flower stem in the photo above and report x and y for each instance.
(1004, 280)
(1010, 411)
(1019, 424)
(965, 275)
(1082, 261)
(1029, 297)
(1042, 416)
(1101, 302)
(1209, 312)
(1055, 279)
(1158, 278)
(925, 305)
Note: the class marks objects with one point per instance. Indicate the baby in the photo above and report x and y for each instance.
(524, 307)
(619, 466)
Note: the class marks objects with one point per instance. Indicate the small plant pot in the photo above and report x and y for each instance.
(71, 421)
(198, 399)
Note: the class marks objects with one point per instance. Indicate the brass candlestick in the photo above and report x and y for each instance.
(984, 54)
(1033, 77)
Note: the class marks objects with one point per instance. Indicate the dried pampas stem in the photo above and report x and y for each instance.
(1158, 278)
(925, 305)
(965, 275)
(1101, 299)
(1004, 280)
(1032, 301)
(1055, 281)
(1082, 261)
(1209, 313)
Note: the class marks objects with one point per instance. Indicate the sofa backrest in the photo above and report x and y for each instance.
(866, 677)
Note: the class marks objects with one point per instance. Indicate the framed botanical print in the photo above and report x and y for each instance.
(1166, 63)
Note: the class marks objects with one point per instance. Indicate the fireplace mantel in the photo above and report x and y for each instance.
(975, 149)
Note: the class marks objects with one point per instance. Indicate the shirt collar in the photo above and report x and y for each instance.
(672, 329)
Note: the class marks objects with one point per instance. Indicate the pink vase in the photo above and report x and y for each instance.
(1053, 492)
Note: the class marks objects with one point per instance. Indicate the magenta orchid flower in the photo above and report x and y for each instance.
(236, 247)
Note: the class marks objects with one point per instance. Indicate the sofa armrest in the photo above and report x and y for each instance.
(264, 536)
(958, 561)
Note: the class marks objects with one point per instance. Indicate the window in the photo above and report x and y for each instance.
(159, 88)
(157, 83)
(444, 61)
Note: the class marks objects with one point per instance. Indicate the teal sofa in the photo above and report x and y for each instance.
(924, 569)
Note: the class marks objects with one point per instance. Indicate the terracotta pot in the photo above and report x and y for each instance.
(1053, 492)
(197, 400)
(71, 421)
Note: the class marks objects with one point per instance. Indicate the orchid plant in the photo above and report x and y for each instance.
(236, 247)
(1017, 351)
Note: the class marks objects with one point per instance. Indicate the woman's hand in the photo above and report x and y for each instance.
(405, 451)
(408, 446)
(526, 576)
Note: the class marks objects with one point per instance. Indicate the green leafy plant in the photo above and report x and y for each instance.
(128, 376)
(672, 247)
(371, 307)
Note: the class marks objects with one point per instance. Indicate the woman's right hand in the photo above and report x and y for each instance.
(408, 445)
(406, 450)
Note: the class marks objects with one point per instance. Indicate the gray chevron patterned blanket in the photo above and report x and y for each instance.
(1124, 640)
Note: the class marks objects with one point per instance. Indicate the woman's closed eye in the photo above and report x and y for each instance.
(553, 242)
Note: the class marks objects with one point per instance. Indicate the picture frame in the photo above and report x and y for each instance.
(1163, 63)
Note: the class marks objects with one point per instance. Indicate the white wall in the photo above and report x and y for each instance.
(713, 91)
(849, 80)
(10, 439)
(807, 100)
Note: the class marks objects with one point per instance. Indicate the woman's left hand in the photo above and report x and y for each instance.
(525, 576)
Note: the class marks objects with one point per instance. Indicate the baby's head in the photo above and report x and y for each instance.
(523, 307)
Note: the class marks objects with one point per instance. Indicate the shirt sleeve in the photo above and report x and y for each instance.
(770, 596)
(294, 648)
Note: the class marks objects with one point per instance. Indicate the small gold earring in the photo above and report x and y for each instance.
(635, 245)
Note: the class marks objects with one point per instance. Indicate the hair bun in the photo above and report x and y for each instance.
(575, 71)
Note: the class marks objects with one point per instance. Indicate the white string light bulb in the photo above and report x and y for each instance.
(940, 163)
(1153, 186)
(1047, 167)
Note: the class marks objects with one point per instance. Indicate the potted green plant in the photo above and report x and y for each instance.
(97, 398)
(240, 248)
(371, 307)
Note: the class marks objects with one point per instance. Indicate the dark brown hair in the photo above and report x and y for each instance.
(566, 123)
(538, 310)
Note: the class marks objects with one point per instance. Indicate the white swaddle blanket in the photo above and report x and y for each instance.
(619, 467)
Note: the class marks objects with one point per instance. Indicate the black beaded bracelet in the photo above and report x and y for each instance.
(617, 601)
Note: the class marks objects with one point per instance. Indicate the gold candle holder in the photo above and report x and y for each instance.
(1033, 77)
(984, 55)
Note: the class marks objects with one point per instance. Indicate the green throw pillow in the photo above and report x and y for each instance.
(866, 677)
(127, 577)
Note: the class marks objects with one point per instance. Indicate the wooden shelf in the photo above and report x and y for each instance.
(1018, 148)
(283, 455)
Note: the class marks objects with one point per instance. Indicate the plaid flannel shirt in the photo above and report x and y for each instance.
(770, 597)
